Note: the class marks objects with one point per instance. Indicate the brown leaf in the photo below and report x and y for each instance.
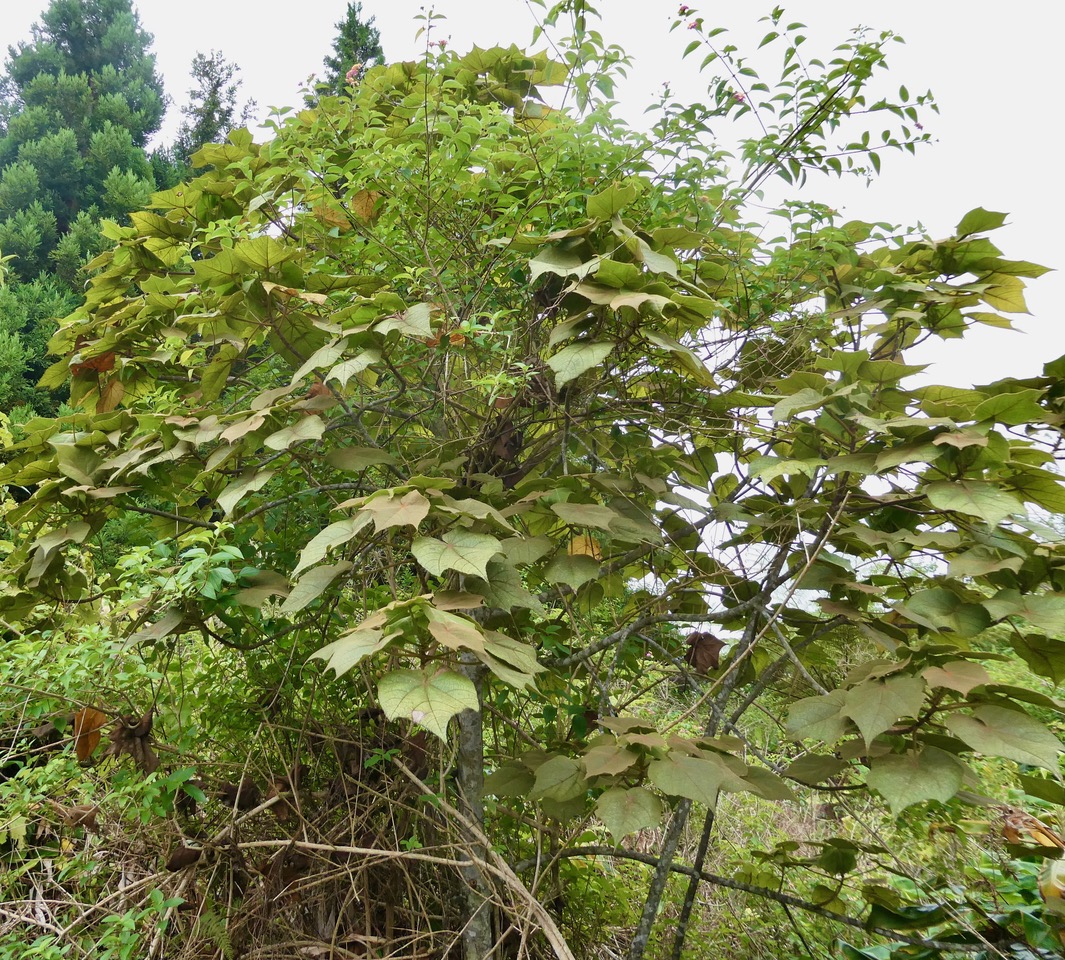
(363, 204)
(100, 363)
(111, 395)
(87, 725)
(182, 857)
(704, 652)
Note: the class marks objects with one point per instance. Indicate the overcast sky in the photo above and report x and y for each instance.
(996, 71)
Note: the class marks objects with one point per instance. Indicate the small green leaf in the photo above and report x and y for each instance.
(960, 675)
(354, 459)
(349, 648)
(332, 536)
(697, 778)
(572, 570)
(585, 514)
(412, 322)
(430, 700)
(454, 632)
(512, 779)
(614, 199)
(814, 768)
(608, 760)
(311, 586)
(818, 718)
(247, 482)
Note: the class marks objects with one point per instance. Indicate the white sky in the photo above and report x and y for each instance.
(996, 72)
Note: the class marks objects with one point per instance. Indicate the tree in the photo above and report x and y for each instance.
(467, 399)
(79, 104)
(212, 110)
(357, 47)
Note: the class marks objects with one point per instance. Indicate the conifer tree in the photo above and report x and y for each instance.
(78, 104)
(356, 49)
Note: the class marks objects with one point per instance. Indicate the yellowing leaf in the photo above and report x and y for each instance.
(460, 550)
(960, 675)
(391, 511)
(306, 428)
(430, 700)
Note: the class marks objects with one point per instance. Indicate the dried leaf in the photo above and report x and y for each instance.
(704, 652)
(87, 725)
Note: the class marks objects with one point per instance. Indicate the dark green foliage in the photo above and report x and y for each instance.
(358, 42)
(212, 110)
(79, 103)
(28, 316)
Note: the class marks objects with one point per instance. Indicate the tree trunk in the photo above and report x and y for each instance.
(477, 939)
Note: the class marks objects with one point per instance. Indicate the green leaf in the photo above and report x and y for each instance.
(512, 779)
(697, 778)
(904, 780)
(585, 514)
(570, 362)
(940, 609)
(263, 253)
(390, 511)
(311, 586)
(454, 632)
(815, 768)
(608, 759)
(511, 660)
(306, 428)
(559, 779)
(805, 399)
(975, 498)
(979, 221)
(1013, 734)
(248, 482)
(1043, 655)
(960, 675)
(818, 718)
(875, 705)
(332, 536)
(574, 571)
(625, 810)
(351, 647)
(1045, 612)
(767, 785)
(614, 199)
(413, 322)
(430, 700)
(355, 459)
(460, 550)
